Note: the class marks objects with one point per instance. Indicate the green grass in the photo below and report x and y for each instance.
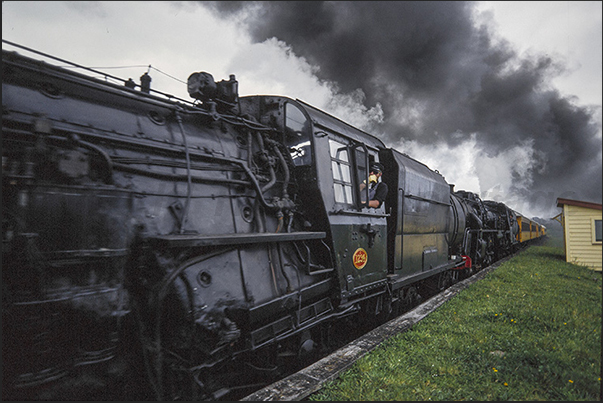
(530, 330)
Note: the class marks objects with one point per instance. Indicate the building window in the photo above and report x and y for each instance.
(596, 227)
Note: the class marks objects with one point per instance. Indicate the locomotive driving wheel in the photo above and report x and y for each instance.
(411, 298)
(445, 280)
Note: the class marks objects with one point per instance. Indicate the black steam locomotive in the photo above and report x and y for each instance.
(156, 248)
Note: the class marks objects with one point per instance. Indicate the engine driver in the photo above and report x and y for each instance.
(377, 189)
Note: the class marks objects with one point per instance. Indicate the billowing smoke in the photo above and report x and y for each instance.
(435, 84)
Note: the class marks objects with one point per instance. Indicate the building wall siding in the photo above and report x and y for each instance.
(579, 247)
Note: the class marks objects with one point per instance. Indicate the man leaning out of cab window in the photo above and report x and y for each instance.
(377, 188)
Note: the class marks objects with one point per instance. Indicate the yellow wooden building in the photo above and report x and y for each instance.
(581, 223)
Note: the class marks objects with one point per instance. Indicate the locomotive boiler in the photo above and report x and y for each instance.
(156, 248)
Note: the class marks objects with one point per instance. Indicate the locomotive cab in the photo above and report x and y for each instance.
(331, 160)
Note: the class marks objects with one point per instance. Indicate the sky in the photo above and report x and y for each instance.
(502, 98)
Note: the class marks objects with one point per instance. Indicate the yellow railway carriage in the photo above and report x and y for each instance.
(529, 229)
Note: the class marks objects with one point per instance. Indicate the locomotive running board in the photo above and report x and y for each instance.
(188, 240)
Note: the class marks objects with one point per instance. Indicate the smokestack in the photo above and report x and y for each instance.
(145, 83)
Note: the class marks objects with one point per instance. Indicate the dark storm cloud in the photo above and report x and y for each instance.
(439, 77)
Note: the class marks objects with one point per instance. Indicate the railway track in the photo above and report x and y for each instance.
(310, 379)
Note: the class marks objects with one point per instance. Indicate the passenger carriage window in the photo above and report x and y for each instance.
(342, 177)
(298, 135)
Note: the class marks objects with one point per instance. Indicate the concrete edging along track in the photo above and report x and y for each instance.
(310, 379)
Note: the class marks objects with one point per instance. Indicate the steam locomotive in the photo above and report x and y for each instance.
(156, 248)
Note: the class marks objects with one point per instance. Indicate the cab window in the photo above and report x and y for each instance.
(298, 135)
(342, 172)
(361, 171)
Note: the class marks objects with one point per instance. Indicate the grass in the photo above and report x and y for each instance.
(530, 330)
